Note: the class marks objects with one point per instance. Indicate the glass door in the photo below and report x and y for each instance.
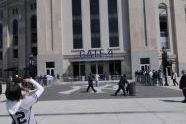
(50, 71)
(145, 67)
(93, 68)
(100, 69)
(82, 69)
(97, 68)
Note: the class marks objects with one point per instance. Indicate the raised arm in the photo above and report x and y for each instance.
(39, 88)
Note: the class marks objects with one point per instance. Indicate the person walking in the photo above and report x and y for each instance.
(90, 83)
(121, 85)
(174, 76)
(19, 105)
(182, 85)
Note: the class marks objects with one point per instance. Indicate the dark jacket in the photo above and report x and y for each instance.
(90, 79)
(123, 81)
(183, 82)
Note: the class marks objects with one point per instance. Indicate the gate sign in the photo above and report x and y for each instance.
(96, 53)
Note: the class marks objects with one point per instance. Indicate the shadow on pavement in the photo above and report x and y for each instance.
(170, 100)
(83, 91)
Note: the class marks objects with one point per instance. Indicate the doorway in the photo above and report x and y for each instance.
(97, 68)
(50, 66)
(145, 67)
(50, 71)
(145, 64)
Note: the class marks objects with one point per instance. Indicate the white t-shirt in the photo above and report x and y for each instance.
(96, 77)
(150, 74)
(174, 76)
(21, 111)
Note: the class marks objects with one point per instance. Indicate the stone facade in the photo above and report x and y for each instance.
(138, 28)
(20, 11)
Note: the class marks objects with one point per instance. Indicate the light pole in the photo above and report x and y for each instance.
(164, 64)
(32, 66)
(27, 58)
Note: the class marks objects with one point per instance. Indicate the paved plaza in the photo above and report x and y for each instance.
(68, 103)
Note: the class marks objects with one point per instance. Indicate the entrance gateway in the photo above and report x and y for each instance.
(104, 63)
(103, 68)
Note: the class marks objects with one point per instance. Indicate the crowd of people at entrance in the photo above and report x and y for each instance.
(154, 77)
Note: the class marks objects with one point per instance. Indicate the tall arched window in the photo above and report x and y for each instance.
(163, 19)
(1, 36)
(15, 32)
(34, 34)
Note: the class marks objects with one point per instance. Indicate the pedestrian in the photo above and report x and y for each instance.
(160, 77)
(151, 77)
(182, 85)
(174, 76)
(19, 105)
(90, 83)
(97, 79)
(147, 78)
(121, 85)
(58, 77)
(136, 75)
(155, 78)
(44, 80)
(105, 76)
(40, 80)
(49, 79)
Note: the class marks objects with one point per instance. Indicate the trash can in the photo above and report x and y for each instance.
(132, 88)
